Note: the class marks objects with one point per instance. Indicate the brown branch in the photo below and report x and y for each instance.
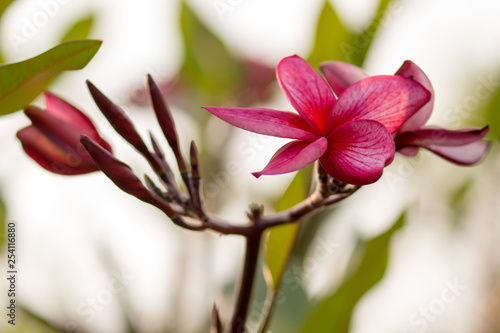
(252, 251)
(326, 194)
(186, 208)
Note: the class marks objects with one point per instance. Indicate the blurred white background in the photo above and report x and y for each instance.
(67, 225)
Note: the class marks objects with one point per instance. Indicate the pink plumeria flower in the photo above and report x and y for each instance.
(53, 140)
(463, 147)
(350, 136)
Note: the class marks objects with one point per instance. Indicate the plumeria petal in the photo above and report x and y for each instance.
(408, 151)
(50, 156)
(265, 121)
(358, 151)
(340, 75)
(412, 71)
(66, 112)
(390, 100)
(294, 156)
(306, 90)
(463, 155)
(62, 134)
(440, 137)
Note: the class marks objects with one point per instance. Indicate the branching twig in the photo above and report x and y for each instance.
(188, 210)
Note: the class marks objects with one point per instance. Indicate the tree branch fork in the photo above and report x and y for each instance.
(184, 204)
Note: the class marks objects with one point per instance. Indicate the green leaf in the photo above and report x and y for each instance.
(279, 245)
(334, 313)
(332, 38)
(209, 67)
(362, 41)
(22, 82)
(30, 321)
(459, 203)
(280, 239)
(80, 29)
(492, 113)
(4, 4)
(292, 303)
(334, 41)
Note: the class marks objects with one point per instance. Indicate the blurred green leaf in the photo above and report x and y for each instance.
(80, 29)
(362, 41)
(3, 6)
(458, 202)
(334, 41)
(22, 82)
(334, 313)
(279, 246)
(29, 321)
(293, 302)
(492, 113)
(208, 66)
(460, 193)
(280, 240)
(331, 38)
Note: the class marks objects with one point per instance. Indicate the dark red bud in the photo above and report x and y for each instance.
(166, 121)
(117, 171)
(118, 119)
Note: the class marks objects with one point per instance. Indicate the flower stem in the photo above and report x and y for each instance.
(252, 251)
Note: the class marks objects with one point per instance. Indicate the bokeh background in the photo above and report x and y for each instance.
(93, 259)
